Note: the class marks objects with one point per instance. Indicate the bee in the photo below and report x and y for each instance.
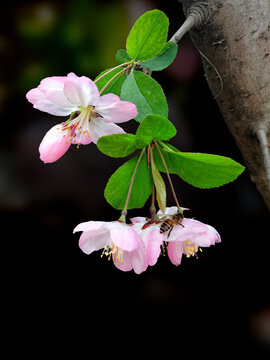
(169, 223)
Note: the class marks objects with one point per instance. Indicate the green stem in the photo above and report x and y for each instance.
(115, 76)
(169, 178)
(153, 211)
(109, 71)
(124, 211)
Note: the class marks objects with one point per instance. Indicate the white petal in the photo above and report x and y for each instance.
(42, 103)
(53, 88)
(81, 91)
(100, 127)
(111, 108)
(89, 226)
(94, 240)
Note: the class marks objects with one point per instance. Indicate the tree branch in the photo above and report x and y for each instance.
(234, 38)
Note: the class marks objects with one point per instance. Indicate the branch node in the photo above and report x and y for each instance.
(200, 13)
(197, 15)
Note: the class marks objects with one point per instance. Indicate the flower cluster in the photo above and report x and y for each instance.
(139, 245)
(91, 115)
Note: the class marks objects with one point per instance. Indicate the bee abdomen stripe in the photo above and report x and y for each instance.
(164, 228)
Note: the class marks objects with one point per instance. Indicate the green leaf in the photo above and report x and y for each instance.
(159, 185)
(164, 59)
(122, 56)
(117, 145)
(145, 93)
(116, 190)
(148, 35)
(153, 127)
(201, 170)
(115, 86)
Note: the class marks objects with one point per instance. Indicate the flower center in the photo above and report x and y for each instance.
(78, 128)
(191, 249)
(114, 252)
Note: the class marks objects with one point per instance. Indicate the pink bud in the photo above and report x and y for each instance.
(54, 144)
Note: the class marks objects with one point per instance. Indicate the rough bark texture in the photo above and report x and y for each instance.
(236, 40)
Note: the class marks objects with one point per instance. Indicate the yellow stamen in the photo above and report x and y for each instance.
(114, 252)
(191, 249)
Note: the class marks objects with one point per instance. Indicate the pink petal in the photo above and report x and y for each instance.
(90, 226)
(139, 220)
(81, 91)
(135, 260)
(54, 144)
(79, 138)
(42, 103)
(195, 231)
(100, 127)
(94, 240)
(175, 252)
(126, 264)
(82, 136)
(53, 88)
(139, 260)
(154, 241)
(72, 75)
(111, 108)
(123, 236)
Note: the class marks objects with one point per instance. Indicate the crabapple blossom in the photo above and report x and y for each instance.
(189, 238)
(91, 115)
(119, 241)
(186, 239)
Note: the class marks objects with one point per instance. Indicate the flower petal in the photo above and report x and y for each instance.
(175, 252)
(53, 88)
(111, 108)
(42, 103)
(126, 264)
(199, 233)
(90, 226)
(154, 241)
(100, 127)
(54, 144)
(81, 91)
(123, 236)
(139, 259)
(139, 220)
(94, 240)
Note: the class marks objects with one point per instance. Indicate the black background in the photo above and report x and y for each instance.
(56, 298)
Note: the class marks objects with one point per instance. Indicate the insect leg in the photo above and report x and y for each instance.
(169, 233)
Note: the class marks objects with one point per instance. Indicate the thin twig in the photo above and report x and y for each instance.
(109, 71)
(184, 28)
(115, 76)
(197, 15)
(124, 211)
(169, 178)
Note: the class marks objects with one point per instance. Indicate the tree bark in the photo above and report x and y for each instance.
(235, 39)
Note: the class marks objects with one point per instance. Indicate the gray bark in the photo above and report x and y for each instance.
(235, 38)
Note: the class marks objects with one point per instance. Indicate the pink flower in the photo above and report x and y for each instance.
(186, 239)
(151, 237)
(119, 241)
(91, 115)
(189, 238)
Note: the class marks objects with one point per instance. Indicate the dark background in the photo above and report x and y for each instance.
(53, 293)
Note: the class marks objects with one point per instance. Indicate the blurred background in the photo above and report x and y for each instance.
(53, 293)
